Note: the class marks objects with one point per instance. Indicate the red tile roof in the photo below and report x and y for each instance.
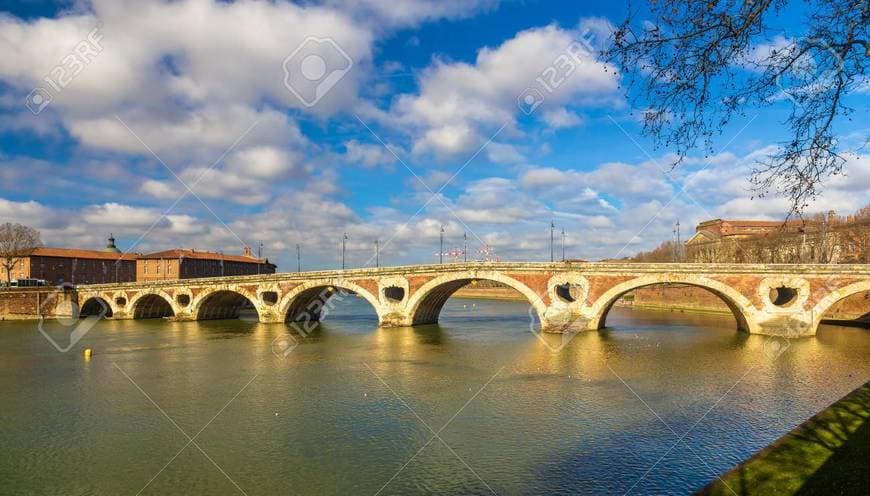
(201, 255)
(44, 251)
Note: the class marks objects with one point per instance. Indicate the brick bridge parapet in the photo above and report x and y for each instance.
(775, 299)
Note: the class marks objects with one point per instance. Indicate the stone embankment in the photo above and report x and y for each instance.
(30, 303)
(827, 454)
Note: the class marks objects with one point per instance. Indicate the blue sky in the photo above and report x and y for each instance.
(163, 97)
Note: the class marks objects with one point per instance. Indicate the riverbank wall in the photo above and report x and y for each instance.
(827, 454)
(31, 303)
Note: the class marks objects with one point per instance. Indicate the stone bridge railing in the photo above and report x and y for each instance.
(765, 299)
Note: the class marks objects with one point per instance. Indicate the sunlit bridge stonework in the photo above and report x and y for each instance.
(783, 300)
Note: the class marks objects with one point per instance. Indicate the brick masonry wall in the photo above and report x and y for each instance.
(676, 296)
(26, 304)
(856, 306)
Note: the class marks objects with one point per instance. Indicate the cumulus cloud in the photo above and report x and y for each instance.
(411, 12)
(177, 53)
(458, 103)
(561, 118)
(369, 155)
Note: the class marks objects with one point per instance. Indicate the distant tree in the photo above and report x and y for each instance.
(16, 241)
(699, 64)
(665, 252)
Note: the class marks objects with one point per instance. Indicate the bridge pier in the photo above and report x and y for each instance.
(794, 324)
(561, 319)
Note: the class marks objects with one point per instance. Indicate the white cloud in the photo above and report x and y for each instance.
(503, 153)
(117, 215)
(411, 12)
(178, 53)
(369, 155)
(459, 102)
(206, 132)
(561, 118)
(448, 140)
(262, 162)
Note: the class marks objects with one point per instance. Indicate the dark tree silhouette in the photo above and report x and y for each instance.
(16, 241)
(700, 64)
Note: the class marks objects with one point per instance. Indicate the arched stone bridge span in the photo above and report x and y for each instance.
(765, 299)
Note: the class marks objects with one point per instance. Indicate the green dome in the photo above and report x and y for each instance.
(110, 246)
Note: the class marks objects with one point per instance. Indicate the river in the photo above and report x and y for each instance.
(657, 403)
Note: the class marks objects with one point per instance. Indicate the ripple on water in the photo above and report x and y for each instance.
(351, 405)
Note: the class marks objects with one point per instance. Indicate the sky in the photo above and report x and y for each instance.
(216, 125)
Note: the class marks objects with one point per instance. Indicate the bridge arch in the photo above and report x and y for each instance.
(305, 302)
(96, 305)
(740, 306)
(152, 305)
(426, 303)
(222, 304)
(831, 299)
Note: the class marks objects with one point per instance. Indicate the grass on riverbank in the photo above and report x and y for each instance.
(828, 454)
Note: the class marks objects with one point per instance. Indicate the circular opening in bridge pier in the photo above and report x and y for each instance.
(394, 293)
(121, 301)
(183, 299)
(783, 296)
(269, 297)
(568, 292)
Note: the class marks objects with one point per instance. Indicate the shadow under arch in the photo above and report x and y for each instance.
(741, 308)
(309, 302)
(826, 303)
(223, 304)
(152, 306)
(95, 305)
(425, 305)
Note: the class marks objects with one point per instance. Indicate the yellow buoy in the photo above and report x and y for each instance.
(474, 282)
(88, 353)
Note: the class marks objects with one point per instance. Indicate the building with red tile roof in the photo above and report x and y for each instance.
(182, 263)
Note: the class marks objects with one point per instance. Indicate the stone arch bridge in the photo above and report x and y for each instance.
(787, 300)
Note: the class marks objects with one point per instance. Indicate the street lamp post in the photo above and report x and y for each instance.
(377, 253)
(465, 247)
(552, 229)
(563, 244)
(441, 250)
(298, 258)
(343, 249)
(679, 246)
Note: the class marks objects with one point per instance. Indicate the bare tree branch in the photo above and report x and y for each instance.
(703, 64)
(16, 241)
